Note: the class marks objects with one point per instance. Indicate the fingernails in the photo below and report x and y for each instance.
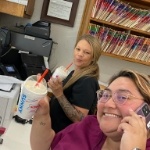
(140, 116)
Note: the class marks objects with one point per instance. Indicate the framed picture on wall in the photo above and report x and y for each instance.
(59, 11)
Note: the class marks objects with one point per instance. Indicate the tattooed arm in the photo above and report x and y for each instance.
(42, 134)
(73, 112)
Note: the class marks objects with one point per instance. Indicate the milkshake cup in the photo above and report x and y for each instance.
(30, 96)
(61, 72)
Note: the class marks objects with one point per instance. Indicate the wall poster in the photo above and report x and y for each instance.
(60, 11)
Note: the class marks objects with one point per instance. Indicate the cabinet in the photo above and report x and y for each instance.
(16, 9)
(94, 24)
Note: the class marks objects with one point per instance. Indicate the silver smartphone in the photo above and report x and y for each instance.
(144, 110)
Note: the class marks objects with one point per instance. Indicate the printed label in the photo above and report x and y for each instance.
(22, 101)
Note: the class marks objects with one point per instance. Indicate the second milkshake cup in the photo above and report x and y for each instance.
(61, 72)
(30, 96)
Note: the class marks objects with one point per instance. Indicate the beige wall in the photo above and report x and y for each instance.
(65, 37)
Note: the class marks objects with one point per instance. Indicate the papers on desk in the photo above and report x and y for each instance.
(7, 82)
(23, 2)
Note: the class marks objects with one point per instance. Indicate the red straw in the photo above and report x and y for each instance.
(42, 76)
(68, 66)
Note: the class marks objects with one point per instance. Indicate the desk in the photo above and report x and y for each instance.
(16, 137)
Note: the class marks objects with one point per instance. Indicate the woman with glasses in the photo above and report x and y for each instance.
(117, 125)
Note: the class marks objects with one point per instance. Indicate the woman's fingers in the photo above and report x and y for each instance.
(54, 82)
(134, 121)
(43, 106)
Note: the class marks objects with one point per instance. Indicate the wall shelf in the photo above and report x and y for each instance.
(120, 26)
(126, 58)
(87, 20)
(16, 9)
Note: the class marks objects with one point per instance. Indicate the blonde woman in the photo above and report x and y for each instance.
(75, 97)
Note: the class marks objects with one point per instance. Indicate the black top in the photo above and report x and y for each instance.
(82, 94)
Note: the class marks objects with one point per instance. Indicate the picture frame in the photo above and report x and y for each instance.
(57, 12)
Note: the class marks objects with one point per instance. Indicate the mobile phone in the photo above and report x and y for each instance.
(144, 110)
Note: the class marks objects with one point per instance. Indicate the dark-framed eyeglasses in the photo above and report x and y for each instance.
(119, 97)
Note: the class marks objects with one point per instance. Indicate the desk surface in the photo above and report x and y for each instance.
(16, 137)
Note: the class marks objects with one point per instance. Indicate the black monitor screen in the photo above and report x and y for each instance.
(10, 69)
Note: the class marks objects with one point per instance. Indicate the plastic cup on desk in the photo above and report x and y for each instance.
(61, 72)
(30, 96)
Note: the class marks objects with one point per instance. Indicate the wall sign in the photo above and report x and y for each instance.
(60, 11)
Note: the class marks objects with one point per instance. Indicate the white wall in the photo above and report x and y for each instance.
(65, 37)
(109, 66)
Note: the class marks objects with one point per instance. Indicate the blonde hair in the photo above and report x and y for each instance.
(93, 69)
(141, 81)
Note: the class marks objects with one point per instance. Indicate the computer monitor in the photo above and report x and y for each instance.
(4, 41)
(34, 45)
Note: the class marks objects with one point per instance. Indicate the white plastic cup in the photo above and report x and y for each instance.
(61, 72)
(30, 96)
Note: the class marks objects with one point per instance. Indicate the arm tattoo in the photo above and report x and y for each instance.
(42, 123)
(71, 112)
